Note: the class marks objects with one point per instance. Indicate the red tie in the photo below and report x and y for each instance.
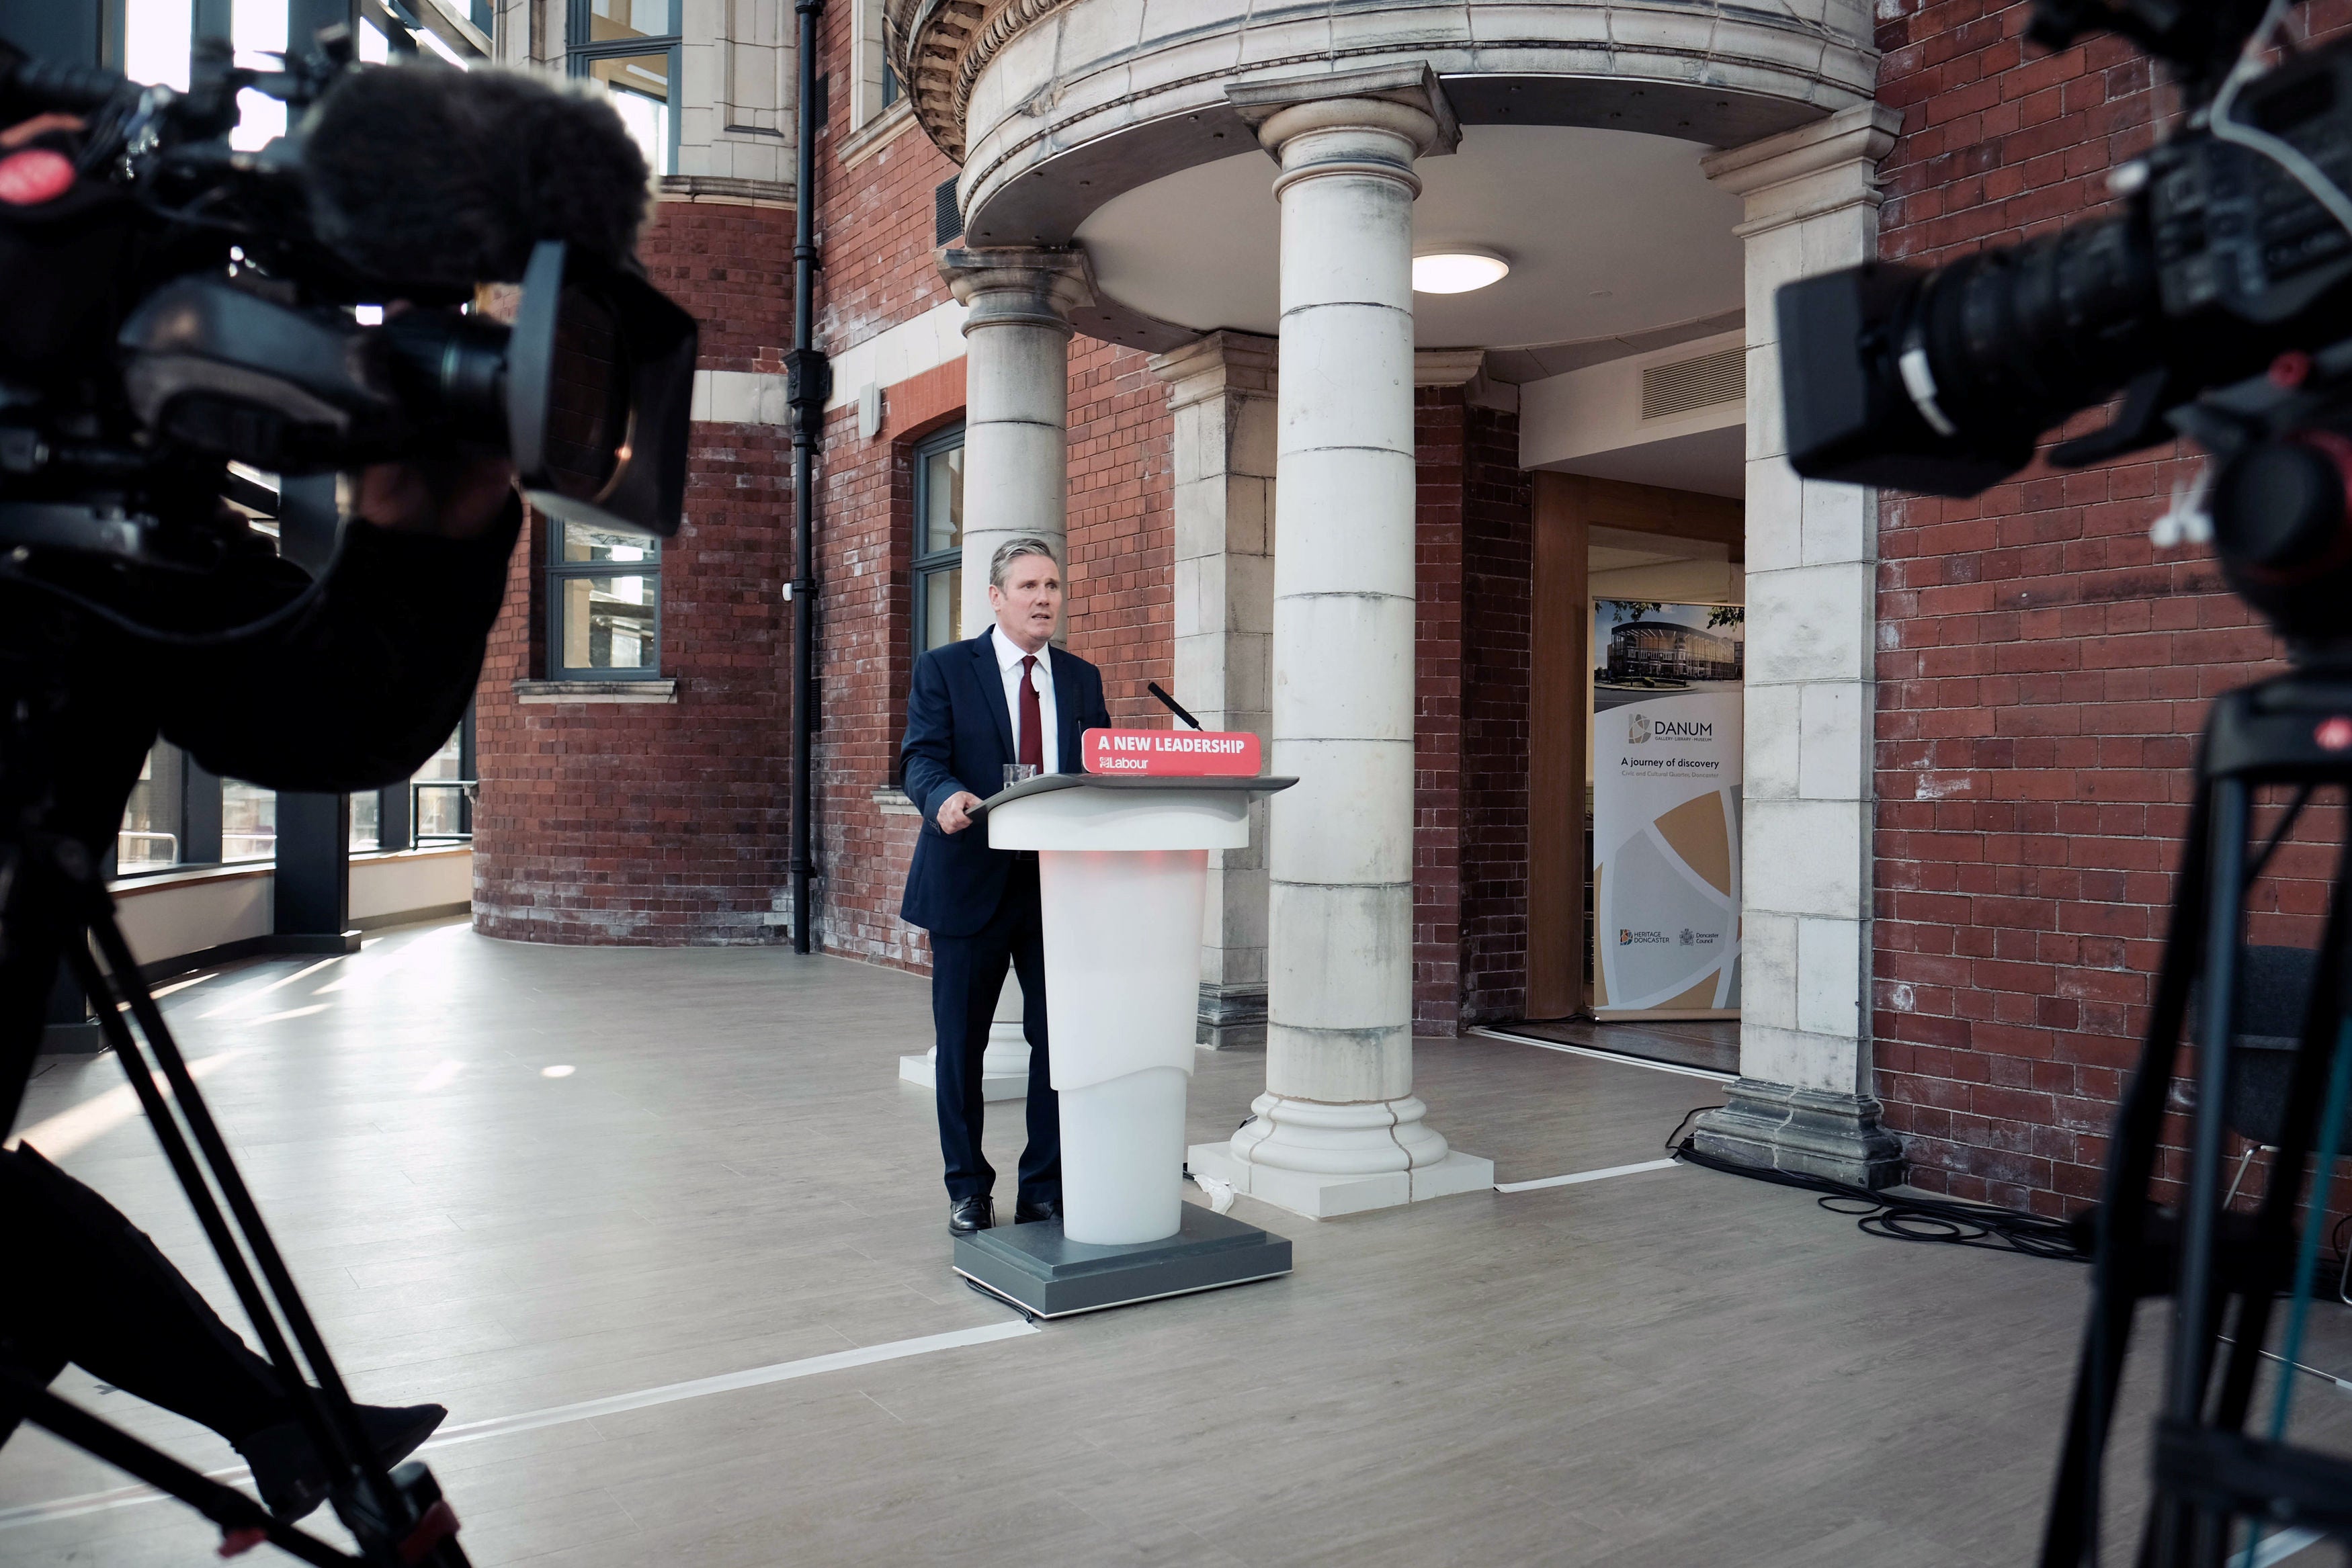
(1033, 721)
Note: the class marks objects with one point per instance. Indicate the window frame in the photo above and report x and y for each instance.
(922, 565)
(559, 571)
(578, 56)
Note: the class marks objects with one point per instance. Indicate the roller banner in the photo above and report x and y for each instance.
(1666, 691)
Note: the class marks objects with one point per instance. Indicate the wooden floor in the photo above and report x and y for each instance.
(1675, 1367)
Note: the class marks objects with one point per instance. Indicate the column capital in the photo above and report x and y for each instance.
(1811, 170)
(1219, 363)
(1374, 122)
(1018, 285)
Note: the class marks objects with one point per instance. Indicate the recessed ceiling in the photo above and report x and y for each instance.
(1607, 232)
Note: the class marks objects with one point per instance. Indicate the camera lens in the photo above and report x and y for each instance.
(587, 426)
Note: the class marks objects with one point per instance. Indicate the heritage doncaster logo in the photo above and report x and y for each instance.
(1627, 937)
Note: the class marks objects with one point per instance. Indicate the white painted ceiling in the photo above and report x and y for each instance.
(1712, 462)
(1608, 233)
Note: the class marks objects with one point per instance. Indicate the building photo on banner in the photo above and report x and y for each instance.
(1667, 680)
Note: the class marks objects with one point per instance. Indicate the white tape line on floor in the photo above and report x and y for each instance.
(560, 1415)
(1576, 1177)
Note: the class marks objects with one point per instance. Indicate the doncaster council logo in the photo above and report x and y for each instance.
(1637, 731)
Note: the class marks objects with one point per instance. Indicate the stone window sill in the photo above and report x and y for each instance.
(893, 802)
(875, 133)
(595, 691)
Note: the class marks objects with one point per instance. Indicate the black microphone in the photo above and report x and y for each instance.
(1170, 704)
(423, 173)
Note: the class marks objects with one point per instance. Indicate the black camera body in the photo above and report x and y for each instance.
(2219, 262)
(170, 306)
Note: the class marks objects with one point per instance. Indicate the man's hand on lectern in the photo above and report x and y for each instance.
(955, 811)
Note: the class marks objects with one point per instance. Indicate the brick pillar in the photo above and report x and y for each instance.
(1221, 398)
(1802, 1101)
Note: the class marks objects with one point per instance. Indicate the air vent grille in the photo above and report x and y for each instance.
(946, 221)
(1689, 384)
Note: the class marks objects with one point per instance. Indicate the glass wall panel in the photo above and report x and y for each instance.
(640, 88)
(150, 837)
(439, 800)
(155, 39)
(619, 20)
(939, 541)
(606, 621)
(943, 501)
(248, 822)
(367, 819)
(258, 29)
(942, 607)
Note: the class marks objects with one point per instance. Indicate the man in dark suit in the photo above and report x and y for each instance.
(1007, 695)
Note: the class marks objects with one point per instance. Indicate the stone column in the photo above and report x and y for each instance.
(1804, 1098)
(1016, 469)
(1016, 477)
(1339, 1129)
(1221, 398)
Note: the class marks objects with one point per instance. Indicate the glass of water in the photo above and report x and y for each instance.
(1019, 773)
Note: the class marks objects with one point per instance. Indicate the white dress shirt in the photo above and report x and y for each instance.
(1009, 656)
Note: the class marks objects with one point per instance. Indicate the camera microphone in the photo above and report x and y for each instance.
(425, 173)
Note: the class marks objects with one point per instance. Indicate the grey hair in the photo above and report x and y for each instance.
(1013, 550)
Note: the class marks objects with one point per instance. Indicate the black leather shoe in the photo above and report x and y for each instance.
(1027, 1213)
(286, 1470)
(967, 1215)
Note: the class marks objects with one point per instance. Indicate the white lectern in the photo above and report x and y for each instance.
(1122, 871)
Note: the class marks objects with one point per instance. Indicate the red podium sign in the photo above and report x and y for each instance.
(1172, 753)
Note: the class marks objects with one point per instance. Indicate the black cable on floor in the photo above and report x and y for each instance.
(1947, 1223)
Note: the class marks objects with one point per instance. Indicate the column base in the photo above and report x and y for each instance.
(1232, 1017)
(1325, 1160)
(83, 1039)
(1806, 1131)
(922, 1070)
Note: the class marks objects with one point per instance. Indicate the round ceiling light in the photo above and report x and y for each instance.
(1456, 271)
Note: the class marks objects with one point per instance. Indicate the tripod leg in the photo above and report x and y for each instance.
(114, 1305)
(224, 1506)
(2071, 1533)
(2274, 1226)
(2190, 1537)
(200, 1198)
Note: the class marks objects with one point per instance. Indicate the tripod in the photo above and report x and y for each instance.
(2295, 730)
(398, 1517)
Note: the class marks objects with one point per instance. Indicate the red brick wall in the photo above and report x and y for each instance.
(1121, 614)
(1497, 651)
(1473, 641)
(2043, 673)
(664, 823)
(1437, 430)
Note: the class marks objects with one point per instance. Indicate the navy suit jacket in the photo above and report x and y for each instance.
(960, 736)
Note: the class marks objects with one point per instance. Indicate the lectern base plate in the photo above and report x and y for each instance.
(1041, 1271)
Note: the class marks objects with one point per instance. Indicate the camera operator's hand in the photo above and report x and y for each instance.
(24, 130)
(456, 497)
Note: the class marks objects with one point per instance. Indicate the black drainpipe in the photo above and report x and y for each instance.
(809, 385)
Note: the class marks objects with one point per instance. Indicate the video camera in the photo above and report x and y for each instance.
(2219, 302)
(170, 305)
